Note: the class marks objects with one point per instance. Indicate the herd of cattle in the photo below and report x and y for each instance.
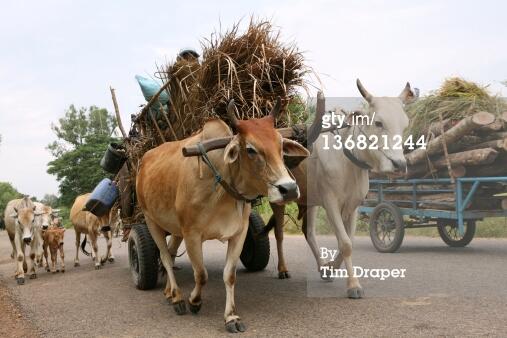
(38, 228)
(176, 196)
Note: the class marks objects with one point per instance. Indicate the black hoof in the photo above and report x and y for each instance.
(33, 276)
(63, 270)
(325, 278)
(235, 326)
(57, 270)
(283, 275)
(20, 280)
(48, 270)
(54, 271)
(76, 264)
(180, 307)
(355, 293)
(194, 308)
(97, 267)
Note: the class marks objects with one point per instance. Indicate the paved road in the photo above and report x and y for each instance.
(446, 292)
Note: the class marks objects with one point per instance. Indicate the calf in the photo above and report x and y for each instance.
(53, 239)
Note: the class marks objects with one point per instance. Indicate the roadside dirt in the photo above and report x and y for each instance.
(12, 322)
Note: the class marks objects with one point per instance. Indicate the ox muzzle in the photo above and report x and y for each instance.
(284, 190)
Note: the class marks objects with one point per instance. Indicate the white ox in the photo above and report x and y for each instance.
(20, 218)
(328, 178)
(45, 216)
(340, 186)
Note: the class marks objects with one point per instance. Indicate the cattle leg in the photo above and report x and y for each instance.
(38, 251)
(45, 251)
(62, 256)
(53, 258)
(193, 243)
(354, 289)
(159, 235)
(34, 248)
(235, 245)
(20, 255)
(309, 231)
(174, 244)
(109, 255)
(78, 240)
(13, 252)
(279, 214)
(95, 251)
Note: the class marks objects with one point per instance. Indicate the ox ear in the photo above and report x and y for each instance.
(293, 153)
(231, 152)
(407, 95)
(14, 215)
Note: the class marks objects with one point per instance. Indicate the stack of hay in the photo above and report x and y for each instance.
(473, 125)
(253, 67)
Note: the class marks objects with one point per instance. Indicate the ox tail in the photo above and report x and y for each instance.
(83, 244)
(271, 224)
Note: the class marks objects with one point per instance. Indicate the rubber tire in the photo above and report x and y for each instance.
(147, 257)
(467, 237)
(255, 253)
(399, 224)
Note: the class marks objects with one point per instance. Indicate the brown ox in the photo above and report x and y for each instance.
(178, 195)
(87, 223)
(53, 239)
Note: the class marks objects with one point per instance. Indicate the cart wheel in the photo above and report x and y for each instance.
(448, 231)
(143, 257)
(386, 227)
(255, 253)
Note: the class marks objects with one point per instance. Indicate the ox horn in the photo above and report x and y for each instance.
(276, 108)
(231, 112)
(367, 96)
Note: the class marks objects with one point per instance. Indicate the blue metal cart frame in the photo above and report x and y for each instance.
(464, 189)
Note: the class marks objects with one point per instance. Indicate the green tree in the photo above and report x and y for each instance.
(82, 137)
(7, 193)
(51, 200)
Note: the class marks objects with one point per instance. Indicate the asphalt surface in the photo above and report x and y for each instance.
(446, 292)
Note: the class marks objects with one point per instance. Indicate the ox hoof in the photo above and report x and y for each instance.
(355, 293)
(283, 275)
(63, 270)
(48, 269)
(54, 271)
(235, 326)
(111, 259)
(194, 308)
(76, 264)
(325, 278)
(33, 276)
(97, 267)
(20, 280)
(180, 307)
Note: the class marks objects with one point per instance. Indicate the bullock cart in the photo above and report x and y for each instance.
(452, 206)
(254, 69)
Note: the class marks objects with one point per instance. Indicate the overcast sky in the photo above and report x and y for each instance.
(57, 53)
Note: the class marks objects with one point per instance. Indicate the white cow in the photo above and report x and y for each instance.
(45, 218)
(339, 183)
(20, 216)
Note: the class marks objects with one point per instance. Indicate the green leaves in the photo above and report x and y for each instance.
(82, 138)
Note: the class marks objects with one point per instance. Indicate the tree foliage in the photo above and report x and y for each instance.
(7, 193)
(82, 137)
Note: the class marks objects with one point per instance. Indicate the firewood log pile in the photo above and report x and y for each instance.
(465, 128)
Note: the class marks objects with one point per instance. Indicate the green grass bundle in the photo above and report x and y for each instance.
(455, 99)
